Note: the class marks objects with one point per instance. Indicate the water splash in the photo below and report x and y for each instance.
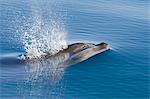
(43, 31)
(44, 37)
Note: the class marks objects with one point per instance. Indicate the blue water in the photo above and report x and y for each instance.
(122, 72)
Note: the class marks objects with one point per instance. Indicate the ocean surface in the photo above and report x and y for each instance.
(35, 26)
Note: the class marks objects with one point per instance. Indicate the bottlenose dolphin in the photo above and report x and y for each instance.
(75, 53)
(52, 67)
(79, 52)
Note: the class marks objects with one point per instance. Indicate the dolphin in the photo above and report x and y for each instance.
(79, 52)
(73, 54)
(52, 67)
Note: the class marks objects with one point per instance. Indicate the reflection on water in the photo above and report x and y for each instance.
(44, 74)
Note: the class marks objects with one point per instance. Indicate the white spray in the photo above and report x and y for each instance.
(44, 37)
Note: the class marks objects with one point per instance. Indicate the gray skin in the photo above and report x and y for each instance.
(75, 53)
(78, 52)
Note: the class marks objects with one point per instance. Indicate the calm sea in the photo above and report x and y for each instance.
(122, 72)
